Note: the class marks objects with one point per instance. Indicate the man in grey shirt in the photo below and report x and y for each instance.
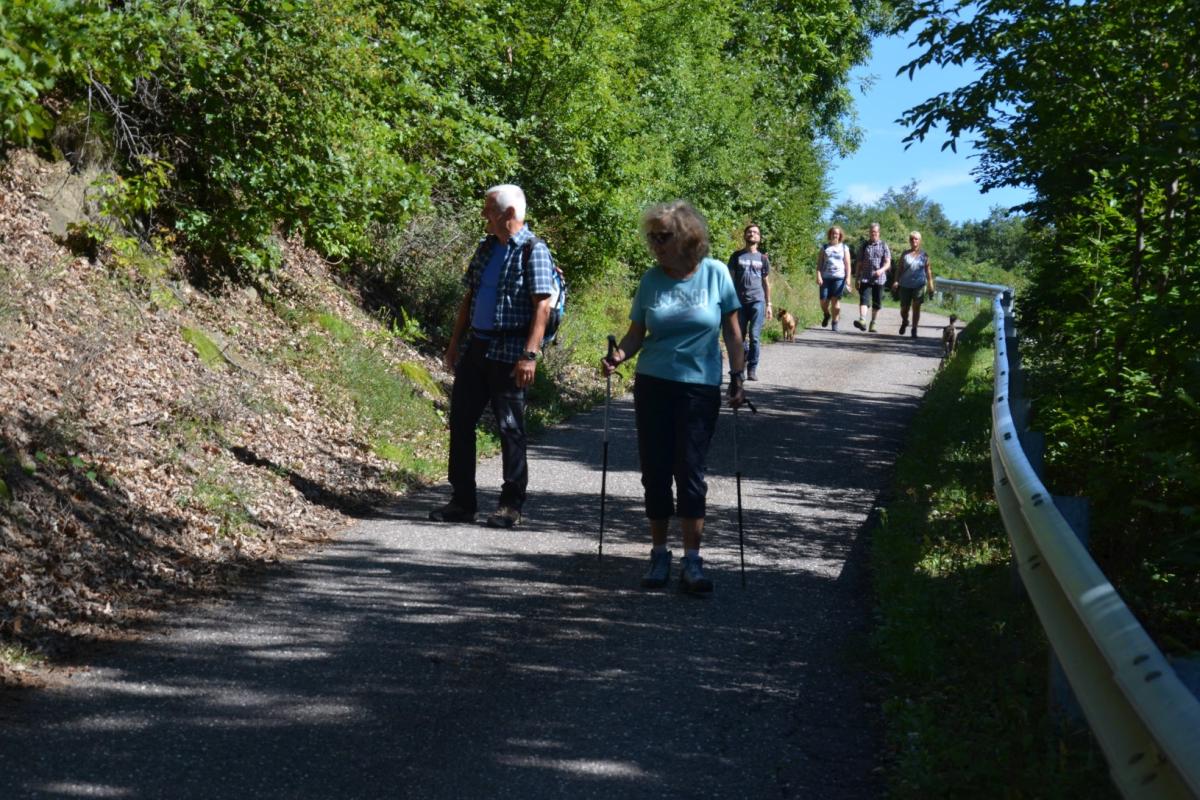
(749, 269)
(871, 268)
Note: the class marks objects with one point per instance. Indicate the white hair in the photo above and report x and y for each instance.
(508, 196)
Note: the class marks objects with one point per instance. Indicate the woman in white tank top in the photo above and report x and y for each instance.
(833, 265)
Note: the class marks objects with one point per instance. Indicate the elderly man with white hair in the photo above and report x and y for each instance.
(493, 352)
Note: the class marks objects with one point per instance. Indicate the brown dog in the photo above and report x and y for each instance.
(788, 322)
(949, 339)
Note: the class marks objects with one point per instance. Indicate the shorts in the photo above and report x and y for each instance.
(832, 288)
(909, 296)
(876, 292)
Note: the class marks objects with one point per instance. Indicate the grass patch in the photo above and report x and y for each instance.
(205, 347)
(224, 501)
(391, 408)
(421, 377)
(341, 330)
(964, 655)
(14, 655)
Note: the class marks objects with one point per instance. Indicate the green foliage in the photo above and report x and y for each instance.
(348, 120)
(34, 40)
(972, 681)
(1106, 138)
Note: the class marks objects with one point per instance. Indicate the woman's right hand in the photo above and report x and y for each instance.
(737, 392)
(609, 365)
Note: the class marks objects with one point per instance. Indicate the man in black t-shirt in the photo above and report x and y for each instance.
(749, 269)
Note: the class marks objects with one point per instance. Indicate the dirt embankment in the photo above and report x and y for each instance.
(133, 471)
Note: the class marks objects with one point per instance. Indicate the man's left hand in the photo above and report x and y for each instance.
(524, 372)
(770, 313)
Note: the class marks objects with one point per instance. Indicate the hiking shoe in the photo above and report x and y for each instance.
(752, 374)
(660, 570)
(691, 576)
(903, 327)
(825, 319)
(504, 517)
(914, 331)
(860, 323)
(452, 512)
(833, 327)
(873, 327)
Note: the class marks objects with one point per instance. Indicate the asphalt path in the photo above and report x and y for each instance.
(414, 660)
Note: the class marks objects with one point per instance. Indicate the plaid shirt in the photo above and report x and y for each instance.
(514, 295)
(874, 254)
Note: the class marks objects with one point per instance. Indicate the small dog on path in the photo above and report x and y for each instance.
(949, 339)
(788, 322)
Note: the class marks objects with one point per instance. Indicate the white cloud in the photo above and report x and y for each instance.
(930, 182)
(863, 193)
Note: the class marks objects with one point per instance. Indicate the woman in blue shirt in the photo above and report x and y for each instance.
(680, 306)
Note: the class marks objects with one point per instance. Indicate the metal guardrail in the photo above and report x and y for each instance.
(1145, 719)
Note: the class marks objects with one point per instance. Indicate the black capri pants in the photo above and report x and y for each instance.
(675, 425)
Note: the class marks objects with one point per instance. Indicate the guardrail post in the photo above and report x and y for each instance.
(1077, 511)
(1188, 670)
(1034, 445)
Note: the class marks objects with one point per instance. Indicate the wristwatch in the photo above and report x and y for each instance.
(530, 355)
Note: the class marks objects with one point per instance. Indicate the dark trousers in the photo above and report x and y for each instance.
(675, 424)
(477, 382)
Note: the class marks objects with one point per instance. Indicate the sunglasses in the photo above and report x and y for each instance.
(660, 237)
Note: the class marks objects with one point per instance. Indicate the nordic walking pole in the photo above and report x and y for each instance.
(737, 471)
(612, 346)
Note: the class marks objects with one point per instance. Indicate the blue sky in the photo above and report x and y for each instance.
(882, 162)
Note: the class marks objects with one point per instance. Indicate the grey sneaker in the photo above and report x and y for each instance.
(833, 326)
(873, 327)
(504, 517)
(691, 576)
(752, 374)
(660, 570)
(452, 512)
(860, 323)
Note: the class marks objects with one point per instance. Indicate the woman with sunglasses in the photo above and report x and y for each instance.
(681, 306)
(915, 282)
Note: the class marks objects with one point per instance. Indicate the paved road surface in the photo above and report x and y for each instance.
(411, 660)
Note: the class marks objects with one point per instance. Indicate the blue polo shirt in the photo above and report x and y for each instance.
(683, 322)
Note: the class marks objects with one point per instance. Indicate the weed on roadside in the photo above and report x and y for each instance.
(390, 400)
(965, 657)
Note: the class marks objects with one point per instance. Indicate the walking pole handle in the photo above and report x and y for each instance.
(612, 346)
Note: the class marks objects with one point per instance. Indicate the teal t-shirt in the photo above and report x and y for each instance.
(683, 322)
